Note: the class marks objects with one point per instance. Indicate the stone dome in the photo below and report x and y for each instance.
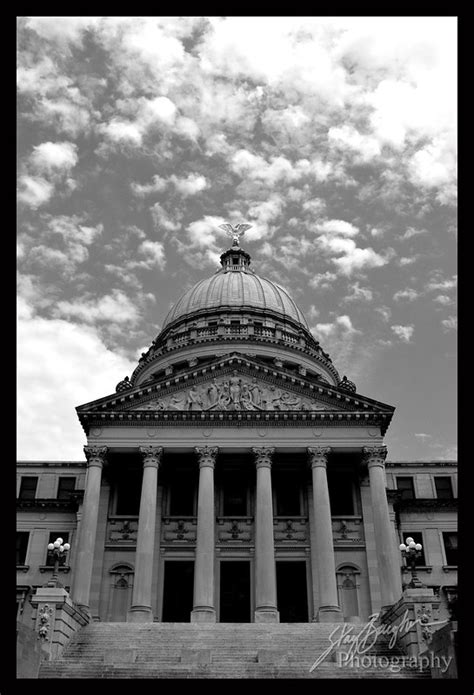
(235, 286)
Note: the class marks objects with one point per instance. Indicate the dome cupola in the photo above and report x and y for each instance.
(234, 309)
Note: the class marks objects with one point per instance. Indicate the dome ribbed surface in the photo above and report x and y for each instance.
(235, 289)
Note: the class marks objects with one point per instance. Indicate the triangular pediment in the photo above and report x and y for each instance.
(236, 383)
(234, 391)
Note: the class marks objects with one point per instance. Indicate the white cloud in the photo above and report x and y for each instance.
(192, 184)
(154, 253)
(126, 131)
(438, 283)
(52, 156)
(74, 367)
(323, 280)
(162, 219)
(434, 166)
(157, 185)
(422, 436)
(203, 233)
(385, 312)
(405, 333)
(359, 293)
(408, 293)
(337, 227)
(443, 299)
(341, 324)
(351, 258)
(412, 231)
(34, 191)
(450, 324)
(408, 260)
(347, 137)
(115, 307)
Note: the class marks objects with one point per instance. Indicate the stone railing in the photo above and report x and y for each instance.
(291, 529)
(122, 530)
(347, 529)
(235, 529)
(176, 529)
(56, 621)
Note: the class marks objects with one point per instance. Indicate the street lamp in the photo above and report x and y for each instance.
(411, 551)
(59, 550)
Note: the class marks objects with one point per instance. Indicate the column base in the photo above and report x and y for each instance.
(266, 616)
(330, 614)
(140, 614)
(203, 615)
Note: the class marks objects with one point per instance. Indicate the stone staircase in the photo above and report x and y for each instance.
(222, 650)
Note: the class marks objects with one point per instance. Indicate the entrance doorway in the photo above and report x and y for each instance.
(235, 592)
(178, 591)
(292, 596)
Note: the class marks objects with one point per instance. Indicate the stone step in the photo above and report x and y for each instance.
(190, 650)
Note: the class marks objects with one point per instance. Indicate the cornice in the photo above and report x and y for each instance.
(166, 418)
(51, 505)
(417, 464)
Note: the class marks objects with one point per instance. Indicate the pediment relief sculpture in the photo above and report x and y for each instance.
(234, 393)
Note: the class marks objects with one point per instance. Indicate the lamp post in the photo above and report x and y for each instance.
(59, 550)
(411, 551)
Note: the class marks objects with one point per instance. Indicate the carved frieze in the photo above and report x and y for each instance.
(236, 392)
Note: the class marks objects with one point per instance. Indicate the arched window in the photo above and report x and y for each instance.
(348, 590)
(120, 597)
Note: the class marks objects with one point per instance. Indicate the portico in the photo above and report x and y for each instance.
(237, 542)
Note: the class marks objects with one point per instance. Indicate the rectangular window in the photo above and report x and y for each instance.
(341, 494)
(65, 486)
(450, 540)
(52, 537)
(235, 497)
(182, 497)
(28, 487)
(288, 502)
(406, 487)
(22, 538)
(418, 538)
(128, 493)
(444, 488)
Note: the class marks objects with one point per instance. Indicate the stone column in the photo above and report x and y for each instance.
(140, 611)
(385, 544)
(203, 603)
(265, 570)
(87, 530)
(329, 610)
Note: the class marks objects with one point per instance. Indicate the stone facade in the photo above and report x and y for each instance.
(235, 477)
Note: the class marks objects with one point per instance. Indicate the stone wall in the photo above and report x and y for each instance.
(443, 647)
(28, 652)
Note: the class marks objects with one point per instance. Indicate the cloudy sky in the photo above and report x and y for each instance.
(334, 137)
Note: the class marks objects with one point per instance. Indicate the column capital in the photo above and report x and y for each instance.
(207, 455)
(374, 455)
(95, 455)
(263, 456)
(318, 456)
(151, 455)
